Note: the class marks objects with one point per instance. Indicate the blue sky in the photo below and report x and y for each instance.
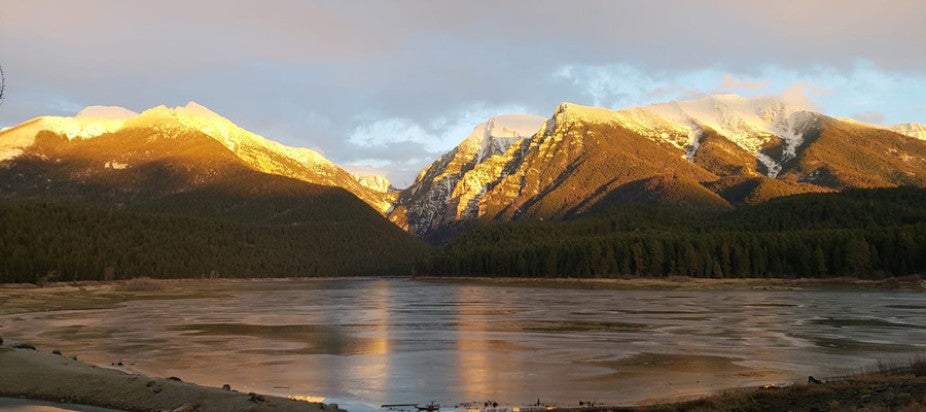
(392, 85)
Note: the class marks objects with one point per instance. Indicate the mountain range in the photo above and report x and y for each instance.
(264, 209)
(713, 154)
(103, 143)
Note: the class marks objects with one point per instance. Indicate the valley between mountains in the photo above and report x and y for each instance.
(722, 186)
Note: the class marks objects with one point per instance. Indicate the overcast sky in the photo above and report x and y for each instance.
(393, 84)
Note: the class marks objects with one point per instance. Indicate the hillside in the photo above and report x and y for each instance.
(117, 146)
(715, 152)
(866, 233)
(159, 195)
(43, 242)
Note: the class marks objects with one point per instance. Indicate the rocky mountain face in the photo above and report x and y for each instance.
(449, 190)
(182, 192)
(714, 152)
(115, 155)
(376, 183)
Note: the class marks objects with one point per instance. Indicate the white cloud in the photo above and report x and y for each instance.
(436, 135)
(730, 83)
(870, 116)
(382, 133)
(622, 85)
(802, 94)
(840, 92)
(64, 106)
(365, 170)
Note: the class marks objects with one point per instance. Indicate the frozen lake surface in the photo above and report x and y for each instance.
(366, 342)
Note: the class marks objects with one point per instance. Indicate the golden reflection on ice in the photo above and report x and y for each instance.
(479, 374)
(376, 353)
(308, 398)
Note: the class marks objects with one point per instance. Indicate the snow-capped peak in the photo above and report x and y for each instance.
(194, 108)
(163, 122)
(915, 130)
(497, 134)
(105, 112)
(748, 122)
(568, 111)
(94, 121)
(236, 139)
(90, 122)
(513, 125)
(377, 183)
(735, 117)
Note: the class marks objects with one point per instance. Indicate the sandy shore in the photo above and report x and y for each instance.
(31, 405)
(31, 374)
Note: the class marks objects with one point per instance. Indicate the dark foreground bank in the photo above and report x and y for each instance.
(26, 373)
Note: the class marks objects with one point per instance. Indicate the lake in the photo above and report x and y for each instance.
(367, 342)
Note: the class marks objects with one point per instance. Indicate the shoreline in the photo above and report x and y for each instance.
(909, 282)
(914, 283)
(35, 405)
(34, 375)
(29, 375)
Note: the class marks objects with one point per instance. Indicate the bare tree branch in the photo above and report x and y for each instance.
(2, 84)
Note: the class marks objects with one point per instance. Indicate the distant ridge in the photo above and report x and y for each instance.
(254, 150)
(744, 150)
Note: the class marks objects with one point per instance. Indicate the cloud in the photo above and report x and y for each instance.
(436, 134)
(802, 94)
(403, 80)
(623, 85)
(836, 91)
(386, 132)
(732, 84)
(870, 116)
(368, 167)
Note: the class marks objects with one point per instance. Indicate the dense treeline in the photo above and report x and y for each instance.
(866, 233)
(60, 242)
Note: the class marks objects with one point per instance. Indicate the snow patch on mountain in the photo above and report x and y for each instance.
(112, 164)
(78, 128)
(915, 130)
(749, 123)
(106, 112)
(500, 132)
(376, 183)
(242, 142)
(450, 188)
(91, 122)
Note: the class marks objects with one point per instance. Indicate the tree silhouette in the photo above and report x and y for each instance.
(2, 84)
